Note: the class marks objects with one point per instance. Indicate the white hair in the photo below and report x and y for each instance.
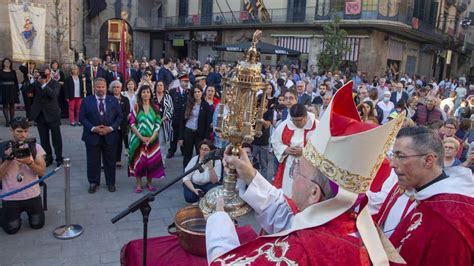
(113, 84)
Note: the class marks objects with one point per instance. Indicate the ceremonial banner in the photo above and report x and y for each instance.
(27, 27)
(123, 51)
(353, 7)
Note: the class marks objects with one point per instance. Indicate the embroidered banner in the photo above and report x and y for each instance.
(353, 7)
(27, 30)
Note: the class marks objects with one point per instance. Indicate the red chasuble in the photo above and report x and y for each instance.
(439, 231)
(329, 244)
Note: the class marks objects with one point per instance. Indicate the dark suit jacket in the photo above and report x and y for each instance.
(179, 101)
(101, 73)
(204, 122)
(125, 107)
(393, 97)
(132, 74)
(166, 76)
(55, 85)
(45, 101)
(69, 88)
(305, 99)
(110, 77)
(89, 117)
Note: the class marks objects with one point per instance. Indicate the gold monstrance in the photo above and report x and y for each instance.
(238, 121)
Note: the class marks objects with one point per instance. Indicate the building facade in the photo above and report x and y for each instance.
(409, 36)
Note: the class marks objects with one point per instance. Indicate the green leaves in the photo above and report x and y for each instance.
(334, 46)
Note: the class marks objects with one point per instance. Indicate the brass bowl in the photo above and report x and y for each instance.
(190, 229)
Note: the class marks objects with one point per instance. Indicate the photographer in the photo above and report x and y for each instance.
(22, 163)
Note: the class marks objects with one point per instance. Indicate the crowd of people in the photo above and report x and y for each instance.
(174, 103)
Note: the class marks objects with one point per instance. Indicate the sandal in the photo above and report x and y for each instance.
(138, 190)
(150, 188)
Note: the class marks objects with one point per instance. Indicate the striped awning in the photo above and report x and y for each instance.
(296, 43)
(354, 44)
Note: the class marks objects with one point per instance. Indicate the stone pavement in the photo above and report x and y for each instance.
(101, 241)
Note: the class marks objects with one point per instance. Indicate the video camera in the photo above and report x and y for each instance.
(19, 149)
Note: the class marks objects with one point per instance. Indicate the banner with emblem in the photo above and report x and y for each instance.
(28, 31)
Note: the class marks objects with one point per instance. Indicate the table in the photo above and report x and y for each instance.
(165, 250)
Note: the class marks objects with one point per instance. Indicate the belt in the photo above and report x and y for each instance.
(192, 130)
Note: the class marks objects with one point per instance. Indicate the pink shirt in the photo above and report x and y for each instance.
(10, 183)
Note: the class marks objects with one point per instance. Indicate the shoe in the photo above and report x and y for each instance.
(111, 188)
(170, 155)
(59, 163)
(49, 162)
(150, 188)
(119, 164)
(7, 124)
(73, 124)
(138, 190)
(92, 188)
(79, 124)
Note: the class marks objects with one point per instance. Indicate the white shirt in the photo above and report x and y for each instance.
(77, 88)
(201, 178)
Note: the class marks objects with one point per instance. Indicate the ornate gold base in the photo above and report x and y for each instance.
(234, 205)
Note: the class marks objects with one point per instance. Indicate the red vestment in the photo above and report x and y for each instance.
(438, 231)
(328, 244)
(286, 136)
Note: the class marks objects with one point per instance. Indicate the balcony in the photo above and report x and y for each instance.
(397, 18)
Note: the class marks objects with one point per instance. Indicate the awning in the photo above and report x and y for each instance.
(354, 45)
(262, 47)
(296, 43)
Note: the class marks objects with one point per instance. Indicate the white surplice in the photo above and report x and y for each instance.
(459, 181)
(296, 141)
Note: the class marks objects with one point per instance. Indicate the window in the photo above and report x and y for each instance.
(296, 11)
(369, 5)
(322, 9)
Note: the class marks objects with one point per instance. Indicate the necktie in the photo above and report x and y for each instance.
(115, 75)
(95, 72)
(101, 107)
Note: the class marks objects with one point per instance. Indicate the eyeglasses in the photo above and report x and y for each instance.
(399, 157)
(295, 171)
(205, 149)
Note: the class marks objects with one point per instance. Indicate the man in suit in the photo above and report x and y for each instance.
(114, 74)
(131, 73)
(101, 117)
(93, 71)
(303, 98)
(165, 74)
(179, 96)
(46, 113)
(399, 94)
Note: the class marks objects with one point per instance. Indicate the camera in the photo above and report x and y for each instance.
(19, 149)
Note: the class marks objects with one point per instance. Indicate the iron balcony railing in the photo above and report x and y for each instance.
(400, 12)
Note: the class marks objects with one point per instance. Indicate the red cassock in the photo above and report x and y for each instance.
(438, 231)
(328, 244)
(286, 137)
